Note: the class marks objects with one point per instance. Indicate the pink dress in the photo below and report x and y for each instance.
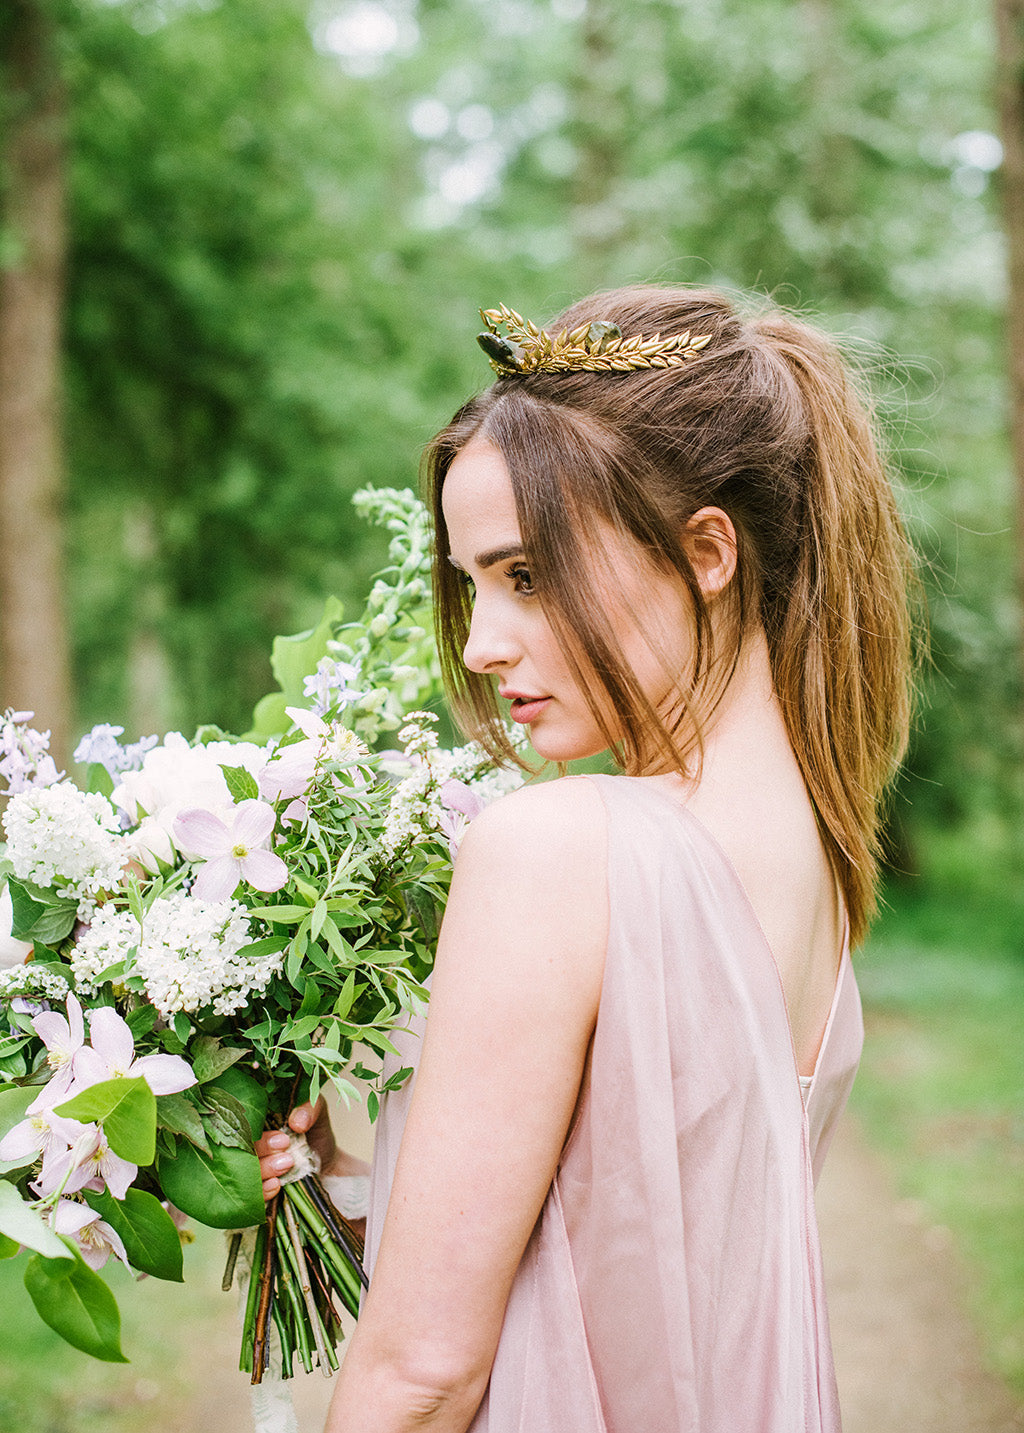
(673, 1281)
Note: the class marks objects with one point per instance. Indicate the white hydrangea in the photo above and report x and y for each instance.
(187, 954)
(69, 839)
(32, 982)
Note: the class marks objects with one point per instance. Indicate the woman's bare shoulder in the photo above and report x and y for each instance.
(562, 820)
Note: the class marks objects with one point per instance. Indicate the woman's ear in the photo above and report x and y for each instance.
(709, 540)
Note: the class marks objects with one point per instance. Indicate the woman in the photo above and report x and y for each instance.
(663, 531)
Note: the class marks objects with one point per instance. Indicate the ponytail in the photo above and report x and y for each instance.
(840, 636)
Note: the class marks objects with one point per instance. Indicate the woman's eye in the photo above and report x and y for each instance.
(520, 576)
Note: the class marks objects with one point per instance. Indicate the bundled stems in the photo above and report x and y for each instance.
(304, 1255)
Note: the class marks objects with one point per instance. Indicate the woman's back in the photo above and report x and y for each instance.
(674, 1272)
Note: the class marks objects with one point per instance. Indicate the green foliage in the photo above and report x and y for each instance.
(147, 1231)
(127, 1111)
(77, 1304)
(278, 252)
(220, 1187)
(24, 1225)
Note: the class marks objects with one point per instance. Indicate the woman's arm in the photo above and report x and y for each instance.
(514, 1000)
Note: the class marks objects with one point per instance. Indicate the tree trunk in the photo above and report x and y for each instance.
(33, 638)
(1010, 62)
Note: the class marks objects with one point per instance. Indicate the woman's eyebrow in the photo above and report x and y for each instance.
(495, 554)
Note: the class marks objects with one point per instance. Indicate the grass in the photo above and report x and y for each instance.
(171, 1333)
(941, 1089)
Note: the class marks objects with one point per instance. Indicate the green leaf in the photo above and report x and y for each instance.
(182, 1026)
(241, 783)
(150, 1238)
(222, 1189)
(372, 1105)
(47, 920)
(226, 1118)
(177, 1113)
(249, 1093)
(77, 1304)
(141, 1021)
(281, 915)
(8, 1247)
(135, 899)
(343, 1004)
(210, 1058)
(14, 1102)
(99, 780)
(127, 1111)
(20, 1221)
(25, 910)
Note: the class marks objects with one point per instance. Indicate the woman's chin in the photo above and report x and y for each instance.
(563, 748)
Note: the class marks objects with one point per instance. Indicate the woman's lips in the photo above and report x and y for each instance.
(526, 709)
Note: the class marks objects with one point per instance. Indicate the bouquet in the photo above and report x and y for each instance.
(201, 935)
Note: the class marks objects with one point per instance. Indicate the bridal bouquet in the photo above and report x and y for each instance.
(202, 934)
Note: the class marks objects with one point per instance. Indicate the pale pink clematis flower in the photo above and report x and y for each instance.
(291, 771)
(461, 804)
(89, 1164)
(43, 1132)
(232, 853)
(95, 1238)
(63, 1040)
(111, 1056)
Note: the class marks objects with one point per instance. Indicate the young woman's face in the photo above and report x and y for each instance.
(510, 637)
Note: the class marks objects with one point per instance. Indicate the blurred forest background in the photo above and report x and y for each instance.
(242, 247)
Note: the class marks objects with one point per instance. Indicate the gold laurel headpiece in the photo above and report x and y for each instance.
(593, 347)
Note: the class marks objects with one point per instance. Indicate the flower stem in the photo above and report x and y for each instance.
(302, 1271)
(259, 1341)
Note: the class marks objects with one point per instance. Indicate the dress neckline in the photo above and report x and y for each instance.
(805, 1083)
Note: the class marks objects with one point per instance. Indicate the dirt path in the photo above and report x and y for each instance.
(908, 1359)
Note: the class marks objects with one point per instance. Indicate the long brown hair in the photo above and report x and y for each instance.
(766, 424)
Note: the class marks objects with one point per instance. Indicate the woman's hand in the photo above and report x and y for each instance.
(314, 1122)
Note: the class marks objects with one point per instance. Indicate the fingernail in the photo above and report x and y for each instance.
(281, 1162)
(277, 1141)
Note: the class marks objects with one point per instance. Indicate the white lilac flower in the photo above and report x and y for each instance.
(62, 837)
(187, 954)
(12, 950)
(95, 1238)
(31, 983)
(101, 747)
(233, 850)
(25, 761)
(109, 940)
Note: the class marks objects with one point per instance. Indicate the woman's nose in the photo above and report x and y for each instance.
(491, 645)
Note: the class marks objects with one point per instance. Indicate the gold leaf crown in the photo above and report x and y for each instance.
(593, 347)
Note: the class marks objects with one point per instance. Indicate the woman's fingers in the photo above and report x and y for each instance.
(304, 1117)
(273, 1147)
